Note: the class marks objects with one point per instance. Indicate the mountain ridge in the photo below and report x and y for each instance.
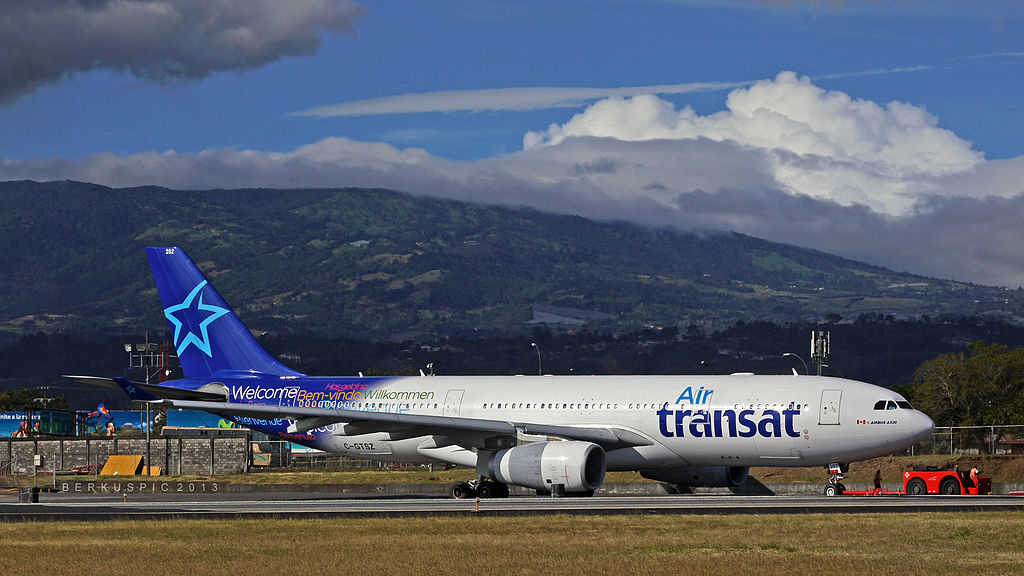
(374, 263)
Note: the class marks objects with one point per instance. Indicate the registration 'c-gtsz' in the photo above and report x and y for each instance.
(554, 434)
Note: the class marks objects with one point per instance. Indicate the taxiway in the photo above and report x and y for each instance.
(73, 507)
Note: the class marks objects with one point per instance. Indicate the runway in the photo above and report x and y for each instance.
(70, 507)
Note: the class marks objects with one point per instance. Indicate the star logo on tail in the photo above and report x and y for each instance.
(188, 313)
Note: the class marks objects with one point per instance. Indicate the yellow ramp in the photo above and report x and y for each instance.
(122, 465)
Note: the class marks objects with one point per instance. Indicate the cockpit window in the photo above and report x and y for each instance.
(880, 405)
(891, 405)
(904, 404)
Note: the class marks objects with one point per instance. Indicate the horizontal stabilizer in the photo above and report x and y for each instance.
(148, 392)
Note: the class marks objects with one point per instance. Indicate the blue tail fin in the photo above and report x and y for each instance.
(208, 336)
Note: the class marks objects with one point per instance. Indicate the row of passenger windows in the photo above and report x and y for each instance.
(554, 406)
(880, 405)
(638, 406)
(383, 405)
(892, 405)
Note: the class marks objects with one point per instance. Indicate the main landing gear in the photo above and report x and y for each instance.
(479, 488)
(835, 485)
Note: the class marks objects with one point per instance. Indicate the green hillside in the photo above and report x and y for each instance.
(379, 264)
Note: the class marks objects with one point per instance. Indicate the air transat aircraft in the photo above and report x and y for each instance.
(554, 434)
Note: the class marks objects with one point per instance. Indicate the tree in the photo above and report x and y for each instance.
(982, 388)
(17, 400)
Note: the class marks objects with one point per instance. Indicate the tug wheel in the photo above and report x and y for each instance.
(917, 487)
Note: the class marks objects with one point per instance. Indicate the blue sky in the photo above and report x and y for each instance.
(893, 129)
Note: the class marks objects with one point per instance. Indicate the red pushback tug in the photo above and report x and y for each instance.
(930, 480)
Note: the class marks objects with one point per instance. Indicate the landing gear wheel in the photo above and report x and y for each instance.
(917, 487)
(461, 491)
(949, 487)
(488, 489)
(833, 490)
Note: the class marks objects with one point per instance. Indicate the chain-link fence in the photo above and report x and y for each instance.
(954, 440)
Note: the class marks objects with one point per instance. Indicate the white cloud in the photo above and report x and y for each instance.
(534, 97)
(507, 99)
(821, 143)
(786, 161)
(42, 41)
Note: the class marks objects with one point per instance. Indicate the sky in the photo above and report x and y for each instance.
(888, 131)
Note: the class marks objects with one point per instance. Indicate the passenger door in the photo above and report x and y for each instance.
(829, 412)
(453, 402)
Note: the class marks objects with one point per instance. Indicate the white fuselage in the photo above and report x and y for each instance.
(737, 420)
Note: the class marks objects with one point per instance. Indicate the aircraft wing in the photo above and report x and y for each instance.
(472, 430)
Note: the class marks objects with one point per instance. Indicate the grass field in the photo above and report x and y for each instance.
(862, 544)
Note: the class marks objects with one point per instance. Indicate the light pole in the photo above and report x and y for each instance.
(820, 345)
(797, 356)
(540, 371)
(146, 356)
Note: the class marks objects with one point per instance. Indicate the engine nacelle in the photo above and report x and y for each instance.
(577, 466)
(705, 476)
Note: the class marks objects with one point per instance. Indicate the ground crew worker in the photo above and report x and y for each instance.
(974, 475)
(878, 481)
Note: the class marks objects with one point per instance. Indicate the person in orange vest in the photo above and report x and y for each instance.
(974, 475)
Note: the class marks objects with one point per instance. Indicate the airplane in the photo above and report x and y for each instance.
(556, 435)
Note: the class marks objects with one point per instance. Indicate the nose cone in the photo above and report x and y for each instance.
(921, 426)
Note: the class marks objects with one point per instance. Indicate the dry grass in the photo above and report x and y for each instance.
(907, 544)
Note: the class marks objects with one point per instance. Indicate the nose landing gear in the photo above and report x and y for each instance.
(835, 485)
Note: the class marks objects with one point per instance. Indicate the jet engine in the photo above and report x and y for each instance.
(574, 465)
(706, 476)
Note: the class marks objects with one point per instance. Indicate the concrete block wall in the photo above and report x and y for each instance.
(194, 456)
